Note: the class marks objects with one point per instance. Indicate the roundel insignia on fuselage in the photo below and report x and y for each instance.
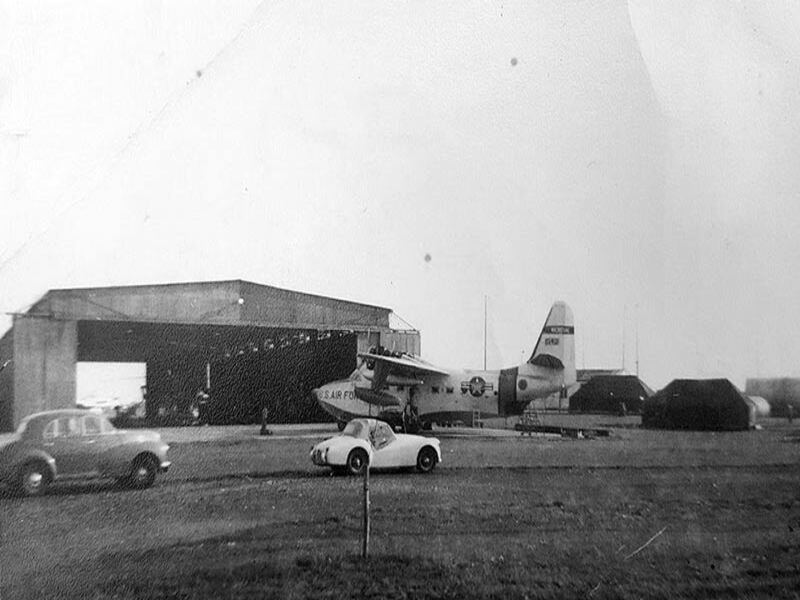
(477, 385)
(523, 384)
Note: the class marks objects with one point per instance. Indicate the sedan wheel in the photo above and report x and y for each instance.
(357, 461)
(426, 460)
(143, 473)
(33, 479)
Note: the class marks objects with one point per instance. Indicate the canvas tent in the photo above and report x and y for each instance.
(779, 392)
(610, 394)
(699, 404)
(761, 405)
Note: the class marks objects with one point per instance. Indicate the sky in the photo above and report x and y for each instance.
(637, 160)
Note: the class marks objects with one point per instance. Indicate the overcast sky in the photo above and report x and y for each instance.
(638, 160)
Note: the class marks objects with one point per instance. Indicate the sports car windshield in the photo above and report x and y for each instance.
(22, 426)
(356, 429)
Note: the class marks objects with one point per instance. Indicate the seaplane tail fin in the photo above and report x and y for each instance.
(555, 348)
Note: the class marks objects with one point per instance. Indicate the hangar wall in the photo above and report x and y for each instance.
(7, 381)
(178, 303)
(398, 341)
(45, 353)
(265, 304)
(224, 302)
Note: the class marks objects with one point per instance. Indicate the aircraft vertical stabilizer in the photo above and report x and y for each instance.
(555, 348)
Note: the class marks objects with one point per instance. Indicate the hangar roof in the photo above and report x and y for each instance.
(234, 302)
(617, 386)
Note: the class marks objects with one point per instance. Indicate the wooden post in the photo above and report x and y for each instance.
(365, 540)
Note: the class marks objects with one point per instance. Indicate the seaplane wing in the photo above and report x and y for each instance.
(405, 365)
(404, 369)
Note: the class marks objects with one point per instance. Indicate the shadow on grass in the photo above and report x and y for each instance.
(73, 488)
(381, 577)
(395, 577)
(426, 577)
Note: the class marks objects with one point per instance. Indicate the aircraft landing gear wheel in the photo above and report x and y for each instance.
(357, 461)
(426, 460)
(341, 425)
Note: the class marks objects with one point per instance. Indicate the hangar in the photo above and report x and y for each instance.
(250, 345)
(699, 404)
(610, 394)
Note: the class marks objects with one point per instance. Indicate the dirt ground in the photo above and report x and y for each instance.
(638, 514)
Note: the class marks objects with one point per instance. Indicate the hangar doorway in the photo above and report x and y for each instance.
(110, 386)
(247, 367)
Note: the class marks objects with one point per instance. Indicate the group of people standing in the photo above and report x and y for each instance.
(199, 407)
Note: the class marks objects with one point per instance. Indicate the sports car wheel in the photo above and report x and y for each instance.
(143, 472)
(33, 479)
(357, 461)
(426, 460)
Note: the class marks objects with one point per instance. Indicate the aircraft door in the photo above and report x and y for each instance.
(507, 396)
(411, 412)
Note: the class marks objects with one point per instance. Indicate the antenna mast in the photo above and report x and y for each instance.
(624, 310)
(485, 302)
(637, 341)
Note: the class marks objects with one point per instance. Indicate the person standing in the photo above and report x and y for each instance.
(264, 420)
(201, 399)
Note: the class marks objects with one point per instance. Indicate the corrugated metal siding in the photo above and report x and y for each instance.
(401, 341)
(194, 303)
(265, 304)
(223, 302)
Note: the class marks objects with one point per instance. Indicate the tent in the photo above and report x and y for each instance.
(699, 404)
(610, 394)
(761, 405)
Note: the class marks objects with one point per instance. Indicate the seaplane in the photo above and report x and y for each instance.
(411, 393)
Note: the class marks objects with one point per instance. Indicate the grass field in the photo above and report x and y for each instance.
(638, 515)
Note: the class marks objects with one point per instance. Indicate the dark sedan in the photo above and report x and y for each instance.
(73, 443)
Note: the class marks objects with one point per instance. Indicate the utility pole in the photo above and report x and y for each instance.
(365, 537)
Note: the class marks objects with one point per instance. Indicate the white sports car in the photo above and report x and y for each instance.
(369, 441)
